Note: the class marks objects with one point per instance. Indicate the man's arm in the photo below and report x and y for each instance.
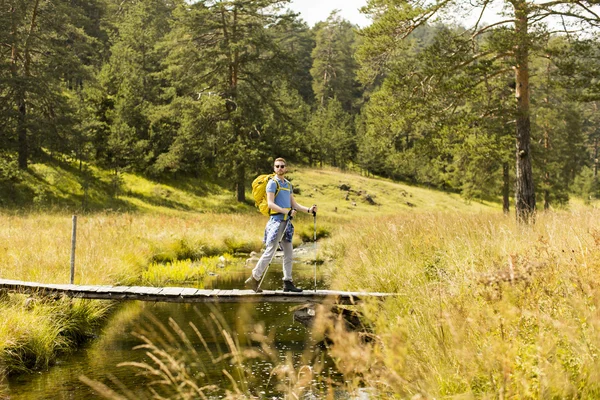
(302, 208)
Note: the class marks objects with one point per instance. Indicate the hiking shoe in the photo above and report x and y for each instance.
(252, 283)
(288, 286)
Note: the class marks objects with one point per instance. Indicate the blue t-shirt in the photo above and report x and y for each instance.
(283, 198)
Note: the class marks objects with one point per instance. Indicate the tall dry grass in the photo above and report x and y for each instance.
(115, 248)
(112, 249)
(174, 368)
(485, 308)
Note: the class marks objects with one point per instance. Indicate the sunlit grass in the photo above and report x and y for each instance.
(62, 185)
(343, 195)
(169, 233)
(486, 308)
(116, 248)
(34, 331)
(184, 271)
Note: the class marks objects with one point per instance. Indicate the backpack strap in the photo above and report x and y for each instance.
(276, 193)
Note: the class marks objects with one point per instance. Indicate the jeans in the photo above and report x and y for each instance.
(267, 256)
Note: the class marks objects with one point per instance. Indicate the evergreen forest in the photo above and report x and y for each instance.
(217, 89)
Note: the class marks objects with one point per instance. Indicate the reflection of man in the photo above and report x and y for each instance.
(282, 208)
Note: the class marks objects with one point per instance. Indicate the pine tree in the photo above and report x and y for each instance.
(132, 86)
(517, 37)
(233, 51)
(334, 68)
(45, 46)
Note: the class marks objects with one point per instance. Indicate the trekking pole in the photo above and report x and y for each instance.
(282, 236)
(315, 241)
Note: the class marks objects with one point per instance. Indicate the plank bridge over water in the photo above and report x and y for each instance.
(185, 294)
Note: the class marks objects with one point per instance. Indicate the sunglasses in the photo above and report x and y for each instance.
(280, 166)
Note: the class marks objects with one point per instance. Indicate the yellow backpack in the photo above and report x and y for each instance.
(259, 192)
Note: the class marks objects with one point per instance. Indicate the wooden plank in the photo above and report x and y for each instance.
(187, 295)
(204, 292)
(90, 288)
(144, 290)
(104, 289)
(134, 289)
(188, 292)
(29, 284)
(120, 289)
(55, 286)
(171, 291)
(9, 282)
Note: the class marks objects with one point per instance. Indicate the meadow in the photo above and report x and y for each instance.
(486, 308)
(148, 233)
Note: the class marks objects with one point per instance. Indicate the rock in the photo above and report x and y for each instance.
(369, 199)
(329, 316)
(345, 187)
(251, 262)
(29, 303)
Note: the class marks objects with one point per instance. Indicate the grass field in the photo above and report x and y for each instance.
(486, 308)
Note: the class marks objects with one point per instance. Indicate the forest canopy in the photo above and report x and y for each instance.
(221, 88)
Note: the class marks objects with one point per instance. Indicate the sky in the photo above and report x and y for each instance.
(313, 11)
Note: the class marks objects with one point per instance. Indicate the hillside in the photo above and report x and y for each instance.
(61, 186)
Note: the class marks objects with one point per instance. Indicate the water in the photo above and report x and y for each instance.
(116, 343)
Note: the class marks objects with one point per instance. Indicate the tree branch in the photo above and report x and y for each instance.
(488, 27)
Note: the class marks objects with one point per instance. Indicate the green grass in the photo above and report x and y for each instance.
(34, 331)
(431, 246)
(184, 271)
(324, 187)
(62, 186)
(485, 309)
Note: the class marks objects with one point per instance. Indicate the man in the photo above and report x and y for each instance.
(282, 207)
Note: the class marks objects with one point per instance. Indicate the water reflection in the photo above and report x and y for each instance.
(116, 343)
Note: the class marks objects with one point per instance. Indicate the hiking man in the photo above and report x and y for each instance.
(282, 207)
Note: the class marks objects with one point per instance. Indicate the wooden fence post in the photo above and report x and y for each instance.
(73, 241)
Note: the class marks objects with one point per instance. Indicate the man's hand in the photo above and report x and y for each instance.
(292, 213)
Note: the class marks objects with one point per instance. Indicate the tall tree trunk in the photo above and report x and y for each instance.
(596, 146)
(233, 81)
(547, 144)
(20, 100)
(596, 157)
(23, 150)
(21, 81)
(240, 183)
(546, 172)
(524, 188)
(505, 188)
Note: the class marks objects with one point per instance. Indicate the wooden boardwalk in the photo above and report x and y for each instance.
(184, 295)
